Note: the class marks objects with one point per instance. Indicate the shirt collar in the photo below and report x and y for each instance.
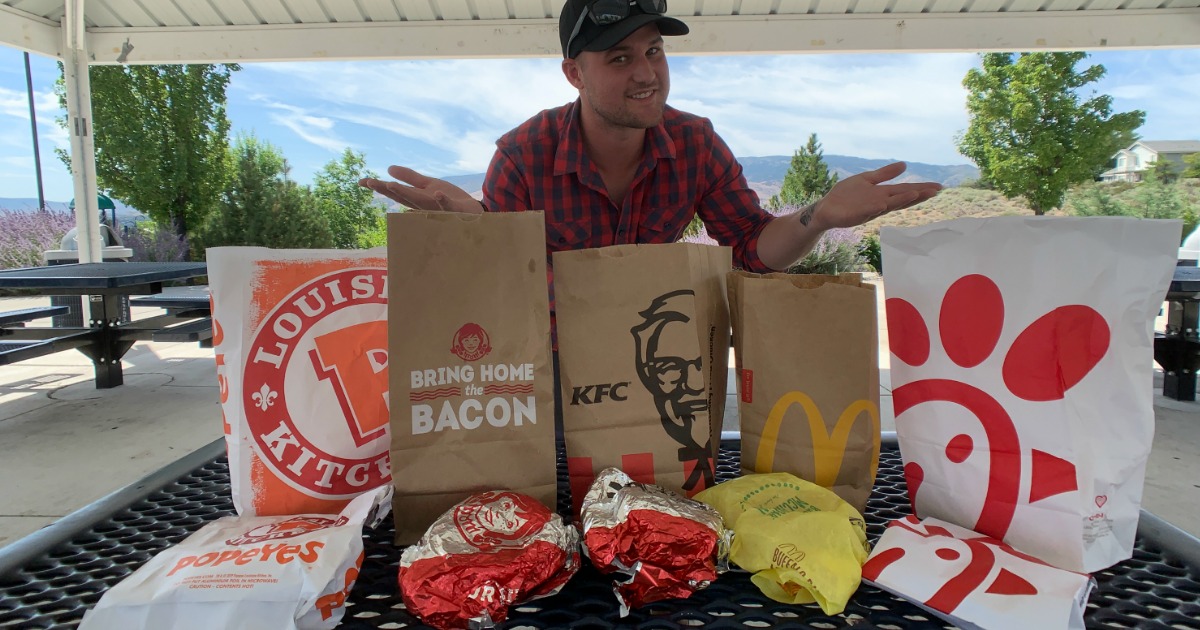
(569, 155)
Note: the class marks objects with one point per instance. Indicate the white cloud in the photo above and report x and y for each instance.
(317, 130)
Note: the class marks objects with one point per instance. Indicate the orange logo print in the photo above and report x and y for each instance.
(355, 362)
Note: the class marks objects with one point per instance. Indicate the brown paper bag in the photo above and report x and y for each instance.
(471, 379)
(643, 340)
(807, 349)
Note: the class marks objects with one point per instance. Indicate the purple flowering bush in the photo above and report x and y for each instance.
(839, 250)
(26, 234)
(151, 242)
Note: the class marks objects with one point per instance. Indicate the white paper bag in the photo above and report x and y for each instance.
(301, 347)
(974, 581)
(1022, 375)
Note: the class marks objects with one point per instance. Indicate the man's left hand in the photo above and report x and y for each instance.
(862, 197)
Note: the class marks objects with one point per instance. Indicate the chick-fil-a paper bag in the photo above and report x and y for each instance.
(1022, 375)
(974, 581)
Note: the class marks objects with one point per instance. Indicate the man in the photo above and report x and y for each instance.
(620, 166)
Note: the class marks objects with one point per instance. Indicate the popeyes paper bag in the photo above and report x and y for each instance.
(469, 328)
(1021, 375)
(643, 341)
(251, 572)
(974, 581)
(808, 378)
(301, 344)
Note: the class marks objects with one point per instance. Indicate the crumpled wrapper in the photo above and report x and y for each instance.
(663, 545)
(802, 542)
(480, 557)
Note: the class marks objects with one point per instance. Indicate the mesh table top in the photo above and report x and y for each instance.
(1154, 589)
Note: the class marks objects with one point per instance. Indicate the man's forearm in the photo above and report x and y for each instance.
(789, 238)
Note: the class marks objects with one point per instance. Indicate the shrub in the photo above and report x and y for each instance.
(871, 253)
(839, 250)
(26, 234)
(152, 242)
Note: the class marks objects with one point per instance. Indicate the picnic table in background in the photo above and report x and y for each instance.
(105, 338)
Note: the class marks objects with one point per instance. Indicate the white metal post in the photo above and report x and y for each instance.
(79, 123)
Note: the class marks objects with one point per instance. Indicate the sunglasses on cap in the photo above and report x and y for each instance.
(605, 12)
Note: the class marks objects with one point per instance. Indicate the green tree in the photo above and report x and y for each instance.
(161, 137)
(1096, 200)
(1032, 134)
(1164, 171)
(351, 209)
(1192, 163)
(261, 206)
(807, 179)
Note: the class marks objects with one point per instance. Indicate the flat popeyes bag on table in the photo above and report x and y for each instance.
(643, 340)
(807, 349)
(1022, 376)
(469, 331)
(301, 345)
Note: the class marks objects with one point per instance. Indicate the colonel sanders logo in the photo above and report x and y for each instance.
(492, 519)
(676, 382)
(471, 343)
(289, 528)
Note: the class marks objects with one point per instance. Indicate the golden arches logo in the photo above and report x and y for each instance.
(829, 449)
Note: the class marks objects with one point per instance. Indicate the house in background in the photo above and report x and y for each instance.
(1131, 163)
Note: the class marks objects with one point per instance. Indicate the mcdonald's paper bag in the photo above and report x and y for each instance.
(302, 364)
(1021, 373)
(807, 349)
(974, 581)
(643, 340)
(469, 332)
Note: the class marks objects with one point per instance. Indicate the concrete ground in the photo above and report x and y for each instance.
(64, 444)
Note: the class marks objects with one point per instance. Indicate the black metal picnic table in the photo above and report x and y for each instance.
(49, 579)
(106, 339)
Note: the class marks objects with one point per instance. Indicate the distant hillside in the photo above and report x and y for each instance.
(771, 169)
(765, 174)
(125, 214)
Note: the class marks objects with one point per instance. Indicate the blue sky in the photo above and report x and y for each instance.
(442, 117)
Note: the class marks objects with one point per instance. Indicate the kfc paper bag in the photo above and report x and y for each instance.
(469, 330)
(808, 378)
(974, 581)
(643, 340)
(1021, 376)
(301, 345)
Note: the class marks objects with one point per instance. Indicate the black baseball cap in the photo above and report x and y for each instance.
(594, 37)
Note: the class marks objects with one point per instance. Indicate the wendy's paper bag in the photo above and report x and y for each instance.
(1021, 357)
(472, 384)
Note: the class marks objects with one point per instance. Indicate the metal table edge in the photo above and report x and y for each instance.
(17, 554)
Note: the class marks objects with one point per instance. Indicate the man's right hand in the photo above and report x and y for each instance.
(423, 193)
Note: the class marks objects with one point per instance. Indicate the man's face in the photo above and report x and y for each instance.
(625, 86)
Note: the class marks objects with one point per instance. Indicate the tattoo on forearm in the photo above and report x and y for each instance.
(806, 214)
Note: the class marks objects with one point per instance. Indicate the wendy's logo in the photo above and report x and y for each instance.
(471, 342)
(1047, 358)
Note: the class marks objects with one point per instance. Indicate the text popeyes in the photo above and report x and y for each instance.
(470, 413)
(281, 554)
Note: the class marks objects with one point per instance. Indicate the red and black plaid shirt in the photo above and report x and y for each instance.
(687, 170)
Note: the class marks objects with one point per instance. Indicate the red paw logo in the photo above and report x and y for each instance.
(980, 565)
(1048, 357)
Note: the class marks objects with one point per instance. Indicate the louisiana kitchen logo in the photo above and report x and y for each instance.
(315, 392)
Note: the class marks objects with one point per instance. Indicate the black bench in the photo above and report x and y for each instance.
(195, 330)
(16, 351)
(175, 303)
(21, 316)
